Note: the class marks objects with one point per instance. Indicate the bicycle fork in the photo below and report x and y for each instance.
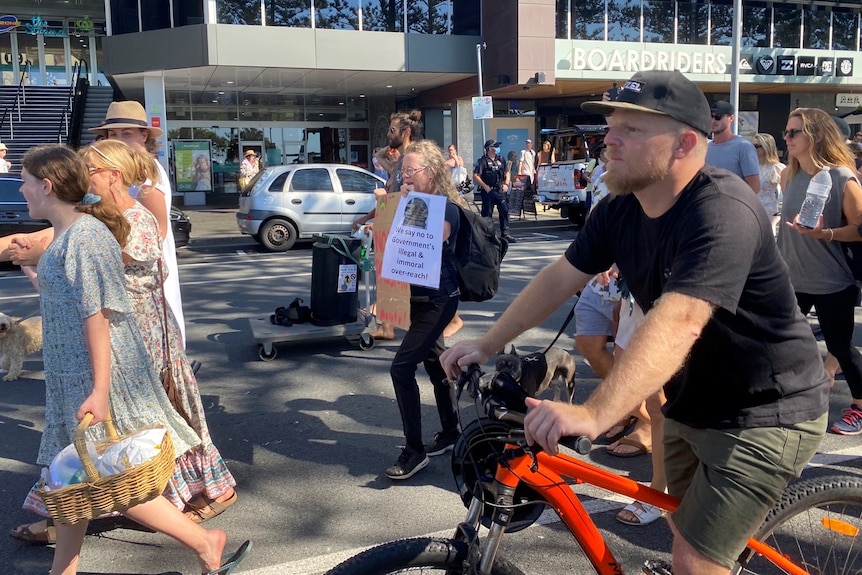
(482, 553)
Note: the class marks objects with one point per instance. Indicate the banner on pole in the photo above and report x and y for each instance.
(483, 108)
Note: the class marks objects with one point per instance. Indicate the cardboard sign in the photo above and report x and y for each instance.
(393, 297)
(414, 249)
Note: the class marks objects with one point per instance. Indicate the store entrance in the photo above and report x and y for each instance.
(325, 146)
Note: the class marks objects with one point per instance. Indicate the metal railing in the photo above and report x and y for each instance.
(20, 98)
(73, 88)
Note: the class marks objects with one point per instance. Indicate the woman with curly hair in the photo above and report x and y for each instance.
(818, 270)
(423, 169)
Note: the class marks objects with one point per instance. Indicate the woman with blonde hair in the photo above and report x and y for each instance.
(423, 169)
(818, 270)
(770, 177)
(95, 361)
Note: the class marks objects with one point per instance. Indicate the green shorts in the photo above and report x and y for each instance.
(729, 479)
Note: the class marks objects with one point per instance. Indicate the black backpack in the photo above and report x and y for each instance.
(478, 255)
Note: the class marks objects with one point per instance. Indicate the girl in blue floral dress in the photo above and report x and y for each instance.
(95, 360)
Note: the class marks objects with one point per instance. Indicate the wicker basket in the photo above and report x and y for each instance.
(101, 495)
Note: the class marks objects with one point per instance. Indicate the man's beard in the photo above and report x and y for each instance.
(396, 141)
(623, 182)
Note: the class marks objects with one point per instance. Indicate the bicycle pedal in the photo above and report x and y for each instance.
(657, 567)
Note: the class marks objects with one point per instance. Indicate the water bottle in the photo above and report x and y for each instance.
(815, 198)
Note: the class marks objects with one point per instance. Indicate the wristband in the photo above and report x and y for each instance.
(831, 234)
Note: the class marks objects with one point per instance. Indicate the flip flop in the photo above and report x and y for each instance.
(47, 537)
(203, 509)
(628, 426)
(228, 566)
(645, 513)
(641, 448)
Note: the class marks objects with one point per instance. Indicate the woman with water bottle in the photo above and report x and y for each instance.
(822, 208)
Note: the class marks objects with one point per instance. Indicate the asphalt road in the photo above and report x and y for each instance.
(308, 435)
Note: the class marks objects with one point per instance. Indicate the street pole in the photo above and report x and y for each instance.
(734, 65)
(479, 60)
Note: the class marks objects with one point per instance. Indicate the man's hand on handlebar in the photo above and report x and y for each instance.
(461, 355)
(548, 421)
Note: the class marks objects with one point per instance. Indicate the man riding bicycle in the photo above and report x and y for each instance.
(747, 394)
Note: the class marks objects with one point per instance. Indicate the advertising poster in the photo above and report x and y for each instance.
(414, 249)
(393, 297)
(193, 165)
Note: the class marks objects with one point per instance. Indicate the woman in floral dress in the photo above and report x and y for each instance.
(95, 360)
(202, 484)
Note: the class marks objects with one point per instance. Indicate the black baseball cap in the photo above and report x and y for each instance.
(660, 92)
(491, 144)
(722, 107)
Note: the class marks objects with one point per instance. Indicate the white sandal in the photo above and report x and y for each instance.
(645, 513)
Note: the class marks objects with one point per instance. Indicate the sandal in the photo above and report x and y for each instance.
(27, 535)
(644, 512)
(228, 566)
(203, 508)
(640, 448)
(626, 426)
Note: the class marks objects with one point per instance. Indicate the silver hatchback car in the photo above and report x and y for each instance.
(283, 204)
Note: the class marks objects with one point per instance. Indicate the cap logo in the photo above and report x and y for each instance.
(634, 86)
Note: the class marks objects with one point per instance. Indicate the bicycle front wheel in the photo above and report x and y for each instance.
(422, 555)
(817, 524)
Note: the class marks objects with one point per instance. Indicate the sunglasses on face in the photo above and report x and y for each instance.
(717, 117)
(790, 134)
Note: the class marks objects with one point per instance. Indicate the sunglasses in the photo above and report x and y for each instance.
(758, 146)
(718, 117)
(790, 134)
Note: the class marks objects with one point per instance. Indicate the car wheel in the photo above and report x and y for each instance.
(278, 235)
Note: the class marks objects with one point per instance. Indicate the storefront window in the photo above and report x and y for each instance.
(357, 109)
(156, 16)
(562, 19)
(721, 16)
(238, 11)
(659, 21)
(188, 12)
(816, 22)
(845, 29)
(693, 22)
(755, 25)
(624, 20)
(588, 20)
(788, 21)
(429, 16)
(124, 16)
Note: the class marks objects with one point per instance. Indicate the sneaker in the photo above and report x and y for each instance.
(850, 422)
(442, 443)
(409, 463)
(509, 238)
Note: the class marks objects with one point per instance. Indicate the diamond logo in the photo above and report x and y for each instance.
(766, 65)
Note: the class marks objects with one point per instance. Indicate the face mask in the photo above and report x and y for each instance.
(496, 150)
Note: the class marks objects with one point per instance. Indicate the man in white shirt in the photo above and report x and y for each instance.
(5, 165)
(527, 161)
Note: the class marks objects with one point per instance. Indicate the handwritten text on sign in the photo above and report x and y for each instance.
(414, 247)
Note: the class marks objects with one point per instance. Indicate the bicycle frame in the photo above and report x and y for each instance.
(546, 479)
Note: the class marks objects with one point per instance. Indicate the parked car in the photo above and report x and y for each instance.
(283, 204)
(15, 216)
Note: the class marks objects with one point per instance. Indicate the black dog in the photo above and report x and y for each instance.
(535, 372)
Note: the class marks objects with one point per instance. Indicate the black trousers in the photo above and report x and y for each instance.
(835, 312)
(499, 199)
(423, 342)
(486, 208)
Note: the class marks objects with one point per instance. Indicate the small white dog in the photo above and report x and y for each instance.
(17, 339)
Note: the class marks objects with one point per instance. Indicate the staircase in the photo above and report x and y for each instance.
(41, 119)
(45, 116)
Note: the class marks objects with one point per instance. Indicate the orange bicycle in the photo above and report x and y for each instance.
(814, 529)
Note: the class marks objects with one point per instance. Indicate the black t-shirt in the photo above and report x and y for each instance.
(756, 362)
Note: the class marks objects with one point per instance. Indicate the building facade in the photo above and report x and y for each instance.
(316, 80)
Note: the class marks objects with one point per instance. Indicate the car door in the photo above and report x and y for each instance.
(357, 194)
(311, 194)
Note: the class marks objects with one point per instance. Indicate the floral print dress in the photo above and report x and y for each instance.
(81, 274)
(201, 470)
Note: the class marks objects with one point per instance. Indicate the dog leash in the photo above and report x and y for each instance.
(563, 327)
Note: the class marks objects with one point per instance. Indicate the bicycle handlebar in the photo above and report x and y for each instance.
(504, 400)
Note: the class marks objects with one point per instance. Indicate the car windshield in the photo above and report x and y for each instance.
(10, 192)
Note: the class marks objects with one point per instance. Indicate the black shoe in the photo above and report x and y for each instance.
(409, 463)
(442, 443)
(509, 238)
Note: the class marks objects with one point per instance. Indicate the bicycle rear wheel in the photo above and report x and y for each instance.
(422, 555)
(818, 524)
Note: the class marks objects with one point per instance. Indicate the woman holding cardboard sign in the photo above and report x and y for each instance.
(423, 169)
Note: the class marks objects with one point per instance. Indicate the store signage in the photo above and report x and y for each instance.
(826, 66)
(483, 108)
(788, 65)
(8, 23)
(844, 67)
(38, 26)
(806, 66)
(603, 60)
(848, 100)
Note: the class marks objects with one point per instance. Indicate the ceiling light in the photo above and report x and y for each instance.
(361, 95)
(341, 103)
(389, 85)
(230, 81)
